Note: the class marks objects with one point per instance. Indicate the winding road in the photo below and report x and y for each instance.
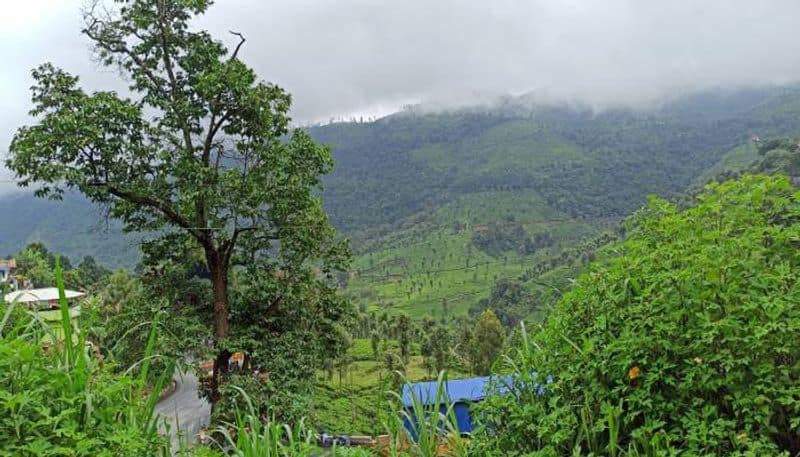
(184, 410)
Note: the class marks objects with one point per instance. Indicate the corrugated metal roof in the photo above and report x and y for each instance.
(457, 390)
(46, 294)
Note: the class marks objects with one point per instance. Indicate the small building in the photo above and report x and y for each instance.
(43, 303)
(461, 393)
(7, 269)
(42, 299)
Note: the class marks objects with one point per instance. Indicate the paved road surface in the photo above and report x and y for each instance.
(184, 409)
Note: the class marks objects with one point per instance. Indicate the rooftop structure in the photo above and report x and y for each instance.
(7, 267)
(42, 298)
(458, 392)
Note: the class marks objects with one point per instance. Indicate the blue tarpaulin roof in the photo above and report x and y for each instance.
(460, 393)
(457, 390)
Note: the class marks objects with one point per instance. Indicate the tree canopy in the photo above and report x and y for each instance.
(199, 152)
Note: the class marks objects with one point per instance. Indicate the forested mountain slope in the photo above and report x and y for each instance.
(582, 163)
(72, 226)
(440, 206)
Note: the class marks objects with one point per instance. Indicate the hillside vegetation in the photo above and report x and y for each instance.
(681, 342)
(440, 206)
(684, 344)
(610, 283)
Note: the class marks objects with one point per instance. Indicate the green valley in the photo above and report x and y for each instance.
(440, 206)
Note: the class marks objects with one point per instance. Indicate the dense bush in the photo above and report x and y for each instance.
(63, 401)
(687, 343)
(509, 300)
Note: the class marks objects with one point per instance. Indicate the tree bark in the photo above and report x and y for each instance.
(218, 269)
(219, 284)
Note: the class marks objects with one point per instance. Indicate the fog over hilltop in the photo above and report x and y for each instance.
(370, 58)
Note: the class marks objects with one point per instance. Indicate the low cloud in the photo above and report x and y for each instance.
(371, 57)
(351, 55)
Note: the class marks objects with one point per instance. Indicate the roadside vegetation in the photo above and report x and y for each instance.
(60, 399)
(684, 343)
(671, 331)
(680, 340)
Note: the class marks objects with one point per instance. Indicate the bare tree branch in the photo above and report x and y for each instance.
(238, 46)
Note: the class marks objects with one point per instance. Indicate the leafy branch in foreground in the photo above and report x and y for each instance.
(686, 342)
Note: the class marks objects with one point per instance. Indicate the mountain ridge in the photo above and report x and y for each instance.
(474, 188)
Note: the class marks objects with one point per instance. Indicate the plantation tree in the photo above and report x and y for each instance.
(402, 329)
(486, 343)
(440, 347)
(201, 149)
(395, 369)
(375, 343)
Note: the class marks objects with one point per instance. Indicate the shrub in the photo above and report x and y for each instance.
(63, 400)
(686, 343)
(253, 435)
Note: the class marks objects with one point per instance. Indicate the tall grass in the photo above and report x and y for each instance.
(597, 427)
(428, 427)
(62, 400)
(432, 431)
(251, 436)
(65, 398)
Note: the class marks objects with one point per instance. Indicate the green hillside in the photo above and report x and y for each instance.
(438, 217)
(738, 158)
(72, 227)
(439, 206)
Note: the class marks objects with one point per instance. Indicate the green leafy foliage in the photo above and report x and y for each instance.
(35, 265)
(779, 155)
(509, 301)
(33, 268)
(249, 436)
(687, 340)
(201, 158)
(59, 399)
(485, 344)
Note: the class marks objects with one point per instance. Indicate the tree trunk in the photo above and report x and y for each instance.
(218, 268)
(246, 363)
(219, 284)
(220, 368)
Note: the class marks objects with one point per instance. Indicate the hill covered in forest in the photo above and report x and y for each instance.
(441, 206)
(445, 209)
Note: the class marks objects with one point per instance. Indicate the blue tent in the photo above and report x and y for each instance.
(459, 392)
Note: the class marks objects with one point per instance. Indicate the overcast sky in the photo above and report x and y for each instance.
(339, 57)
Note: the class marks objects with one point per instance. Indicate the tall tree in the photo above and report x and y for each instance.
(440, 347)
(402, 329)
(201, 149)
(486, 343)
(33, 268)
